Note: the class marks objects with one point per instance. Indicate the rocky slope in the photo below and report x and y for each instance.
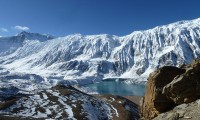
(170, 86)
(188, 111)
(89, 58)
(64, 102)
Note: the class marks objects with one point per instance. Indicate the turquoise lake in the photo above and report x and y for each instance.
(118, 87)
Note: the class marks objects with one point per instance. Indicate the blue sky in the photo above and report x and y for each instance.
(116, 17)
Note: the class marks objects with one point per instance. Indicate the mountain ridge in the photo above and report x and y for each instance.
(89, 58)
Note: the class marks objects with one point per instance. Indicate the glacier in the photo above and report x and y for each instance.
(82, 59)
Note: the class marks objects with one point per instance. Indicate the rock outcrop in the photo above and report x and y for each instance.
(185, 88)
(182, 112)
(171, 86)
(154, 101)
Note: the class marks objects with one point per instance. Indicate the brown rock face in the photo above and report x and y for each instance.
(186, 87)
(154, 101)
(170, 86)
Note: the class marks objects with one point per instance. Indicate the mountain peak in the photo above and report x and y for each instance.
(35, 36)
(24, 33)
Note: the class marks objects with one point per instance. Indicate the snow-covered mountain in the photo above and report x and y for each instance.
(86, 58)
(10, 44)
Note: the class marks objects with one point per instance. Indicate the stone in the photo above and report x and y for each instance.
(170, 86)
(154, 101)
(175, 116)
(198, 102)
(187, 117)
(185, 88)
(181, 114)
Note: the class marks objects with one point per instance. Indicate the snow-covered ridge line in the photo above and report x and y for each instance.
(88, 58)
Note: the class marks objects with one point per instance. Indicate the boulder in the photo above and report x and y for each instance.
(170, 86)
(185, 88)
(155, 102)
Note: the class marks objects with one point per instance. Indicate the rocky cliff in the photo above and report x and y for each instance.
(171, 86)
